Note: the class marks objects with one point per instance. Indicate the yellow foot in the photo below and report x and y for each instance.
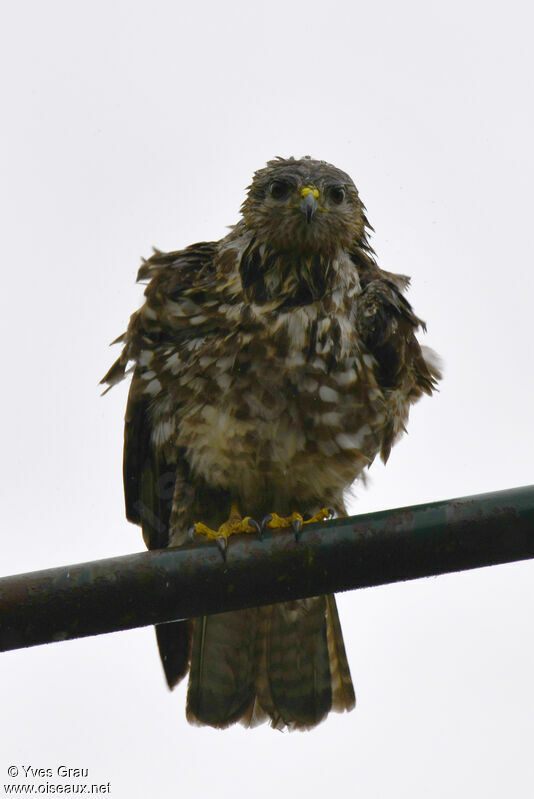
(234, 524)
(296, 520)
(231, 527)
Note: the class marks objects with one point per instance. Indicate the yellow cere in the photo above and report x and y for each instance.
(309, 190)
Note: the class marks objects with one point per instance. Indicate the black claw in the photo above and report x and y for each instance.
(332, 513)
(265, 521)
(255, 526)
(297, 528)
(222, 543)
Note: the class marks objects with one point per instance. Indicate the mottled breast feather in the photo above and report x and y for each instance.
(299, 368)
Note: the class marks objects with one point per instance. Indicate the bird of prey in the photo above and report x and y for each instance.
(270, 368)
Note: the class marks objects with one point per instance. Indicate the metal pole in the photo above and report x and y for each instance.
(360, 551)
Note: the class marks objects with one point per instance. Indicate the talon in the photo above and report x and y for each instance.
(331, 513)
(254, 525)
(199, 528)
(296, 526)
(222, 543)
(191, 533)
(323, 515)
(265, 521)
(276, 522)
(295, 520)
(233, 525)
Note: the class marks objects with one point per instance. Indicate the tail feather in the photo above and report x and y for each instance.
(263, 708)
(221, 681)
(343, 697)
(283, 663)
(298, 663)
(174, 643)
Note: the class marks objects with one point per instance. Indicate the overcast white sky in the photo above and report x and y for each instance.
(129, 124)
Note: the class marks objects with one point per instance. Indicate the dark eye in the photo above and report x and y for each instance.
(336, 194)
(279, 189)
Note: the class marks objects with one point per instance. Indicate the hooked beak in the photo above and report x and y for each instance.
(308, 206)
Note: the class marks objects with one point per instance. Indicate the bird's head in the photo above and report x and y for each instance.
(304, 206)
